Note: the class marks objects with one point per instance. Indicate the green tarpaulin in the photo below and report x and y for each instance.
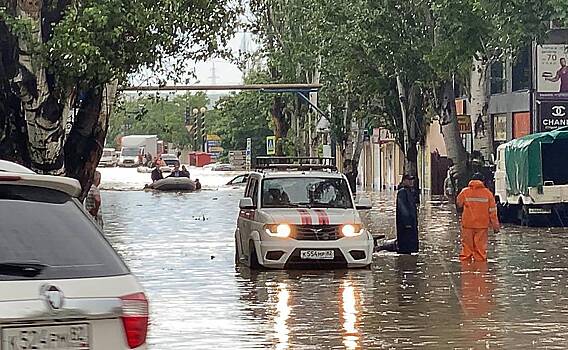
(523, 160)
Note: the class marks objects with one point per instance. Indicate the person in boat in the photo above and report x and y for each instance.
(176, 172)
(156, 174)
(185, 171)
(197, 184)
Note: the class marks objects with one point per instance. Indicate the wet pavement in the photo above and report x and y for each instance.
(181, 248)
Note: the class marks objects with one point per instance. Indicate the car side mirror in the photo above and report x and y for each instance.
(246, 203)
(364, 204)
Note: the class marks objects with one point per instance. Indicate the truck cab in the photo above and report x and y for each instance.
(135, 147)
(131, 156)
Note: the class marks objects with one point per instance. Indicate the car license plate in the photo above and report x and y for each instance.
(540, 211)
(64, 337)
(317, 254)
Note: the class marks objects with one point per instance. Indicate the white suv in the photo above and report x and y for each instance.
(296, 219)
(62, 285)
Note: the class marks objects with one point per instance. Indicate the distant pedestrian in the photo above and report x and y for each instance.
(351, 175)
(479, 212)
(93, 201)
(184, 171)
(406, 220)
(197, 184)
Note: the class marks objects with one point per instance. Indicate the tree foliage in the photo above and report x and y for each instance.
(155, 115)
(61, 62)
(243, 115)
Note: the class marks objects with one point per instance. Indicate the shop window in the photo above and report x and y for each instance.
(499, 129)
(498, 83)
(522, 70)
(521, 124)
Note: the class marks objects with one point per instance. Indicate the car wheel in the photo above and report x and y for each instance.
(524, 216)
(253, 258)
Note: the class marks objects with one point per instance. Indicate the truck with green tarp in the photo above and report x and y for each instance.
(531, 178)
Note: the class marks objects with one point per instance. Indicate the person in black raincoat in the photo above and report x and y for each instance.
(406, 220)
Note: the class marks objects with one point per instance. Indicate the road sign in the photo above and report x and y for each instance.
(271, 145)
(249, 153)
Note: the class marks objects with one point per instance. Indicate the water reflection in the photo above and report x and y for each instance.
(282, 314)
(477, 287)
(350, 315)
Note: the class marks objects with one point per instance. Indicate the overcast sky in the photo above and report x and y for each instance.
(225, 71)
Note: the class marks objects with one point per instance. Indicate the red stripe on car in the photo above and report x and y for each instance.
(322, 217)
(305, 216)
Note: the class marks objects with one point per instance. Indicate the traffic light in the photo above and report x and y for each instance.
(187, 116)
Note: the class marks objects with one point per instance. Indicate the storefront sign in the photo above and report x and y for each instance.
(248, 153)
(385, 135)
(553, 114)
(552, 69)
(464, 122)
(500, 127)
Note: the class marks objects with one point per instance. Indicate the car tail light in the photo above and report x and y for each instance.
(135, 318)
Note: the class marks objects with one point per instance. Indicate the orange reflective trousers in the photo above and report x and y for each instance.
(474, 244)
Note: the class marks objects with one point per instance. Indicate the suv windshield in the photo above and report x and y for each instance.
(309, 192)
(46, 228)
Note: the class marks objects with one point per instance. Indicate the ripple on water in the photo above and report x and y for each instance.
(181, 248)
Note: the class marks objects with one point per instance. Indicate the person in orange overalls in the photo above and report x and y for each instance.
(479, 211)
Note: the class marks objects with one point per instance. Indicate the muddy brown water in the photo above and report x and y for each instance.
(181, 248)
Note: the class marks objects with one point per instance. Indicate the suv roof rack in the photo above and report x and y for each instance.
(295, 163)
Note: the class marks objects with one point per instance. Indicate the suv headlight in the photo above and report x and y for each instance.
(351, 230)
(279, 230)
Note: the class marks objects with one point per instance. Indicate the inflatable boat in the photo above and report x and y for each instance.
(173, 184)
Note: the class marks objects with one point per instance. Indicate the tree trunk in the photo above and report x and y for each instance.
(314, 116)
(452, 137)
(358, 143)
(281, 125)
(44, 126)
(403, 110)
(482, 129)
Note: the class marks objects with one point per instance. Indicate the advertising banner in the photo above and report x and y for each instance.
(553, 114)
(552, 70)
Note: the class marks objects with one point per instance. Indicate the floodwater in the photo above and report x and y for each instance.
(181, 248)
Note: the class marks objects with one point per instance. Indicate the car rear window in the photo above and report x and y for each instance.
(48, 227)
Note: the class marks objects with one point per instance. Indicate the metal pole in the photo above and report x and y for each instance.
(196, 132)
(203, 132)
(223, 87)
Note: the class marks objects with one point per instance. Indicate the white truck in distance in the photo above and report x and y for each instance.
(135, 147)
(531, 179)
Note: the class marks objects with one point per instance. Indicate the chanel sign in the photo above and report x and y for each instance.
(553, 114)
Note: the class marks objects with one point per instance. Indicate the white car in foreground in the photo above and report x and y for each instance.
(297, 219)
(62, 285)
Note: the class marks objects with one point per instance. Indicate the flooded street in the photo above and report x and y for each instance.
(181, 247)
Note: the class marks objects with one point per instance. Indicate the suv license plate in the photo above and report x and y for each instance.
(317, 254)
(64, 337)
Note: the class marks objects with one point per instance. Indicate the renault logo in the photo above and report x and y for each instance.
(558, 111)
(53, 297)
